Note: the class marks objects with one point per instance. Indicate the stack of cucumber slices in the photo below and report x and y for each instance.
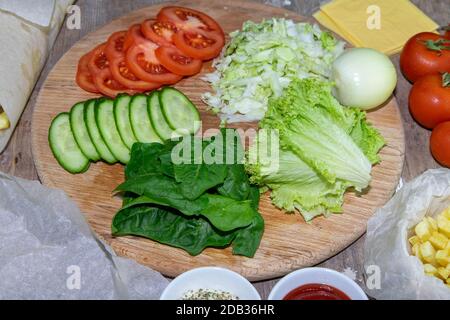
(106, 129)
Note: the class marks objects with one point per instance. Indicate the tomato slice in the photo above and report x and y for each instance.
(133, 36)
(84, 77)
(188, 19)
(114, 45)
(142, 61)
(98, 60)
(160, 32)
(122, 74)
(177, 62)
(108, 86)
(199, 44)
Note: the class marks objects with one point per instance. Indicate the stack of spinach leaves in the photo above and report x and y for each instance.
(191, 204)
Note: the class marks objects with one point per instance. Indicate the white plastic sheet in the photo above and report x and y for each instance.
(47, 251)
(386, 246)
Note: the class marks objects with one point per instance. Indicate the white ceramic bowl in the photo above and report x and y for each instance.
(317, 275)
(211, 278)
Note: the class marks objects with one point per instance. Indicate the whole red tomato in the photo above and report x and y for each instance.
(440, 143)
(429, 100)
(425, 53)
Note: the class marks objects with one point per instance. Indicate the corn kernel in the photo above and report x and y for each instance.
(443, 273)
(442, 257)
(414, 240)
(423, 230)
(446, 213)
(432, 223)
(430, 269)
(416, 251)
(444, 225)
(427, 252)
(438, 240)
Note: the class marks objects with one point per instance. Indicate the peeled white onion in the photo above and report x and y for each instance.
(365, 78)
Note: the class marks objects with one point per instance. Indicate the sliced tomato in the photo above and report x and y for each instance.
(160, 32)
(175, 61)
(84, 77)
(199, 44)
(133, 36)
(114, 45)
(142, 61)
(108, 86)
(188, 19)
(98, 61)
(122, 74)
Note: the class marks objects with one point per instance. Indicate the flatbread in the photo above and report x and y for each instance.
(40, 15)
(23, 51)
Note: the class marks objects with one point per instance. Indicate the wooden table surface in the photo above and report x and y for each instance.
(17, 158)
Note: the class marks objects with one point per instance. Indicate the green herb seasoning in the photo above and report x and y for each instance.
(208, 294)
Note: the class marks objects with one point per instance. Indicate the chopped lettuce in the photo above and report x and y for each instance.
(261, 60)
(325, 149)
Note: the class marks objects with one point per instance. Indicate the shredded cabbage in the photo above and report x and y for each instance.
(261, 60)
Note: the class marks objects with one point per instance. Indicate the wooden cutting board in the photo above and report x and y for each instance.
(288, 242)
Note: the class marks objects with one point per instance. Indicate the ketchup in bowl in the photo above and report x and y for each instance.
(316, 291)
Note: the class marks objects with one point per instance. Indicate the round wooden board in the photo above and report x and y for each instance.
(288, 242)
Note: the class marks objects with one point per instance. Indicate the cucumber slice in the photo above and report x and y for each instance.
(104, 117)
(64, 147)
(80, 132)
(122, 117)
(157, 118)
(94, 133)
(179, 112)
(140, 120)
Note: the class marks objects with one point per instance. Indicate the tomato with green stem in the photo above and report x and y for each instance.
(423, 54)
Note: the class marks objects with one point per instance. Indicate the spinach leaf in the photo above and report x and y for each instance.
(236, 184)
(224, 213)
(163, 190)
(149, 158)
(196, 179)
(191, 205)
(169, 227)
(228, 214)
(248, 239)
(254, 196)
(202, 168)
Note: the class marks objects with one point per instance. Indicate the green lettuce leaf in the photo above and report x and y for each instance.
(324, 149)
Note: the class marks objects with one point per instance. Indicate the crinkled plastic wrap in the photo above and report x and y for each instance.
(387, 246)
(47, 251)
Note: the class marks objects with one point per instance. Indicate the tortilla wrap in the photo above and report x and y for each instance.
(24, 49)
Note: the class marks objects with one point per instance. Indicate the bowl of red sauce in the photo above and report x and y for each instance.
(317, 284)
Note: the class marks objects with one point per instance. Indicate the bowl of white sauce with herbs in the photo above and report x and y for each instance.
(210, 283)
